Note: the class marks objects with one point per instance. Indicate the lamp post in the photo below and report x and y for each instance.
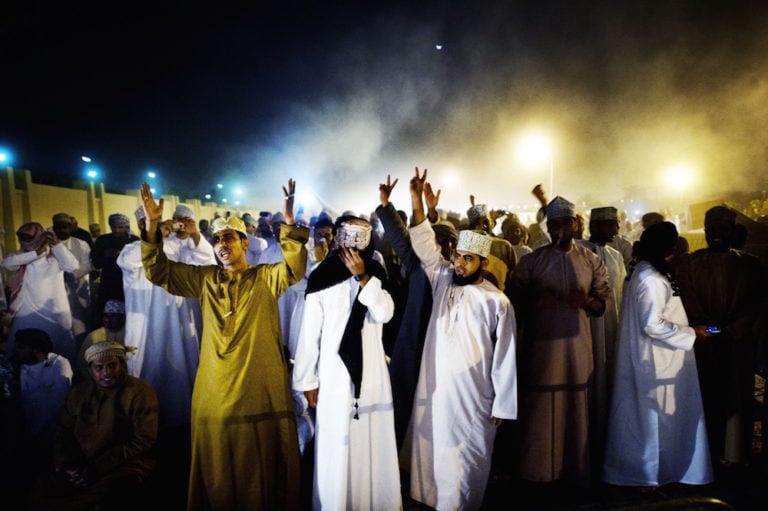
(535, 149)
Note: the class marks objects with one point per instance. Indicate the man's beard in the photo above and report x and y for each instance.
(467, 279)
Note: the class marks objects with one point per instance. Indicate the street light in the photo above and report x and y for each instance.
(535, 149)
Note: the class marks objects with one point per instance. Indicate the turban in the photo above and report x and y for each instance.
(183, 211)
(248, 219)
(114, 307)
(234, 223)
(477, 242)
(119, 220)
(36, 231)
(140, 214)
(108, 349)
(607, 213)
(278, 218)
(560, 207)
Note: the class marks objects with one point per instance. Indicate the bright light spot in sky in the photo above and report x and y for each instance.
(207, 195)
(237, 203)
(680, 176)
(535, 149)
(153, 190)
(306, 199)
(238, 191)
(438, 47)
(450, 178)
(86, 159)
(224, 200)
(3, 157)
(219, 186)
(92, 174)
(151, 175)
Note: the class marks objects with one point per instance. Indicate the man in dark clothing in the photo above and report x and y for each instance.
(104, 257)
(725, 288)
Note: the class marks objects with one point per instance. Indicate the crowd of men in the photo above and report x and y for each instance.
(369, 361)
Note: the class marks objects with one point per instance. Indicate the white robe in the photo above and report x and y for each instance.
(44, 388)
(356, 459)
(605, 329)
(42, 301)
(656, 431)
(165, 329)
(468, 375)
(78, 286)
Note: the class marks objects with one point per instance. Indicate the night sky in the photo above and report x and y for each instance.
(337, 95)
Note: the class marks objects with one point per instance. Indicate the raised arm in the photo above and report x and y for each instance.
(154, 212)
(385, 190)
(417, 190)
(290, 193)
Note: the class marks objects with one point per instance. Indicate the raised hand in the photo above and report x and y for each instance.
(290, 194)
(385, 190)
(432, 199)
(153, 209)
(417, 183)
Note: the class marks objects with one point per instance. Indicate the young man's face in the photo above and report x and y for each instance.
(467, 267)
(121, 231)
(107, 372)
(113, 322)
(562, 230)
(603, 231)
(229, 247)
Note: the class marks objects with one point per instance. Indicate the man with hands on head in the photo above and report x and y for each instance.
(341, 368)
(245, 451)
(468, 378)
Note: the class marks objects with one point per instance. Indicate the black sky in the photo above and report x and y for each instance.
(258, 92)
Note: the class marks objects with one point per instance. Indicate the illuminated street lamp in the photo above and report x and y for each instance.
(679, 178)
(536, 149)
(6, 157)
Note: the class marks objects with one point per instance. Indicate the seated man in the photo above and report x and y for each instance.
(103, 452)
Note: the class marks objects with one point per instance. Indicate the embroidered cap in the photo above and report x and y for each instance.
(114, 307)
(477, 212)
(560, 207)
(607, 213)
(234, 223)
(183, 211)
(477, 242)
(119, 220)
(354, 233)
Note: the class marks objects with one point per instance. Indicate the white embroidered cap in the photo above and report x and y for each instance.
(478, 242)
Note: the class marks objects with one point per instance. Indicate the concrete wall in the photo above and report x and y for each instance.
(22, 201)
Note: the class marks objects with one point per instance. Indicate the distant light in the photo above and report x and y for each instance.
(153, 190)
(151, 174)
(86, 159)
(207, 195)
(219, 186)
(224, 200)
(6, 156)
(92, 174)
(238, 191)
(237, 203)
(438, 47)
